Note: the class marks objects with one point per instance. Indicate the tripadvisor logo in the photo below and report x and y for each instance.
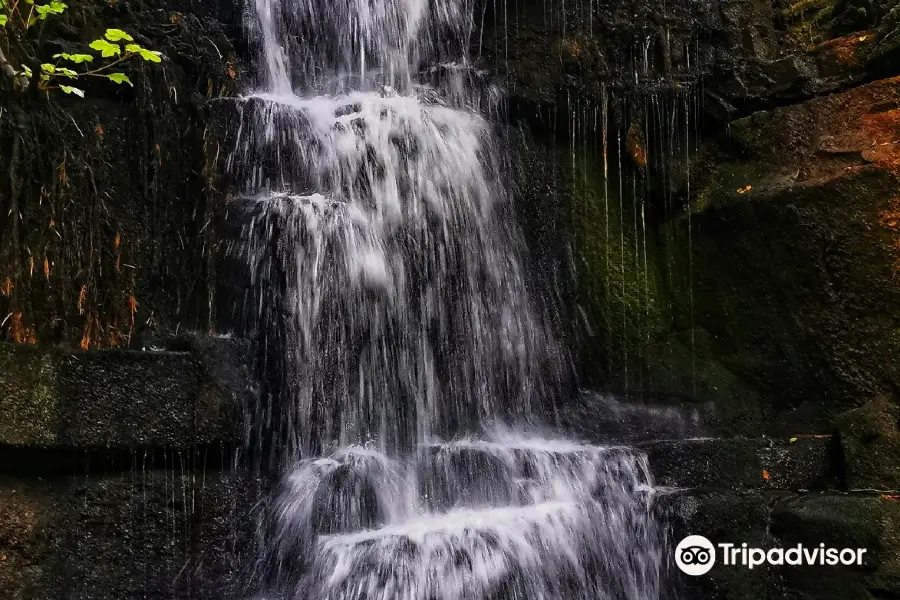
(696, 555)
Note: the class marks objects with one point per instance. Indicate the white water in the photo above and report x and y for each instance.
(383, 268)
(511, 517)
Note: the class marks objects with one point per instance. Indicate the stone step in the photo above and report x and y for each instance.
(159, 531)
(799, 463)
(127, 399)
(636, 417)
(525, 471)
(547, 550)
(805, 462)
(362, 488)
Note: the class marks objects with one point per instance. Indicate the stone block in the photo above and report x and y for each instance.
(121, 399)
(161, 530)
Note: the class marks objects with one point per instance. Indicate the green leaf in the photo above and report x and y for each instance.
(151, 55)
(117, 35)
(793, 439)
(120, 78)
(48, 68)
(54, 8)
(3, 20)
(27, 71)
(133, 48)
(105, 48)
(29, 1)
(64, 72)
(72, 90)
(75, 58)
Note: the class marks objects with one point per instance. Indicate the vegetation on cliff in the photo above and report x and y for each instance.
(107, 225)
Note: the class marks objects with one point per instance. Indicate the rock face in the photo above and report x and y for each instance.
(111, 206)
(119, 399)
(715, 256)
(730, 264)
(118, 472)
(795, 279)
(167, 528)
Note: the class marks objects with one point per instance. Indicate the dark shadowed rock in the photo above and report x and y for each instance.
(872, 523)
(158, 531)
(345, 501)
(870, 440)
(806, 463)
(776, 519)
(123, 399)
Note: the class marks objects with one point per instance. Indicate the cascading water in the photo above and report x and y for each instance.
(384, 276)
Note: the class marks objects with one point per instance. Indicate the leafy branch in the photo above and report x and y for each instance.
(10, 12)
(116, 45)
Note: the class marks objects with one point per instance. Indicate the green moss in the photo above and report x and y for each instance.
(618, 281)
(808, 20)
(29, 400)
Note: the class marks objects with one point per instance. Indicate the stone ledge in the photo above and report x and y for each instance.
(152, 533)
(809, 462)
(119, 398)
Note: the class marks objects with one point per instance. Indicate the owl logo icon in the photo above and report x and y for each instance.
(695, 555)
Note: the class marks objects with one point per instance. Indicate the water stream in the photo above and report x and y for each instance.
(378, 234)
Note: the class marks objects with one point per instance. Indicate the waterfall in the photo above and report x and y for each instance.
(385, 285)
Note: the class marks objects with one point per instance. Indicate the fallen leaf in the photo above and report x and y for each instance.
(744, 189)
(766, 475)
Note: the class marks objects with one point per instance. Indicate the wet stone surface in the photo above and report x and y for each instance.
(158, 531)
(121, 399)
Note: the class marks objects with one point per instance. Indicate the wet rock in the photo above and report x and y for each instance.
(125, 237)
(870, 440)
(345, 501)
(150, 533)
(633, 418)
(722, 517)
(470, 476)
(795, 277)
(122, 399)
(635, 144)
(872, 523)
(770, 519)
(806, 463)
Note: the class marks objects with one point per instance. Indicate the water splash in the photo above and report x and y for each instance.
(509, 516)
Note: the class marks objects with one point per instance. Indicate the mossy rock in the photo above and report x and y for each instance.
(870, 438)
